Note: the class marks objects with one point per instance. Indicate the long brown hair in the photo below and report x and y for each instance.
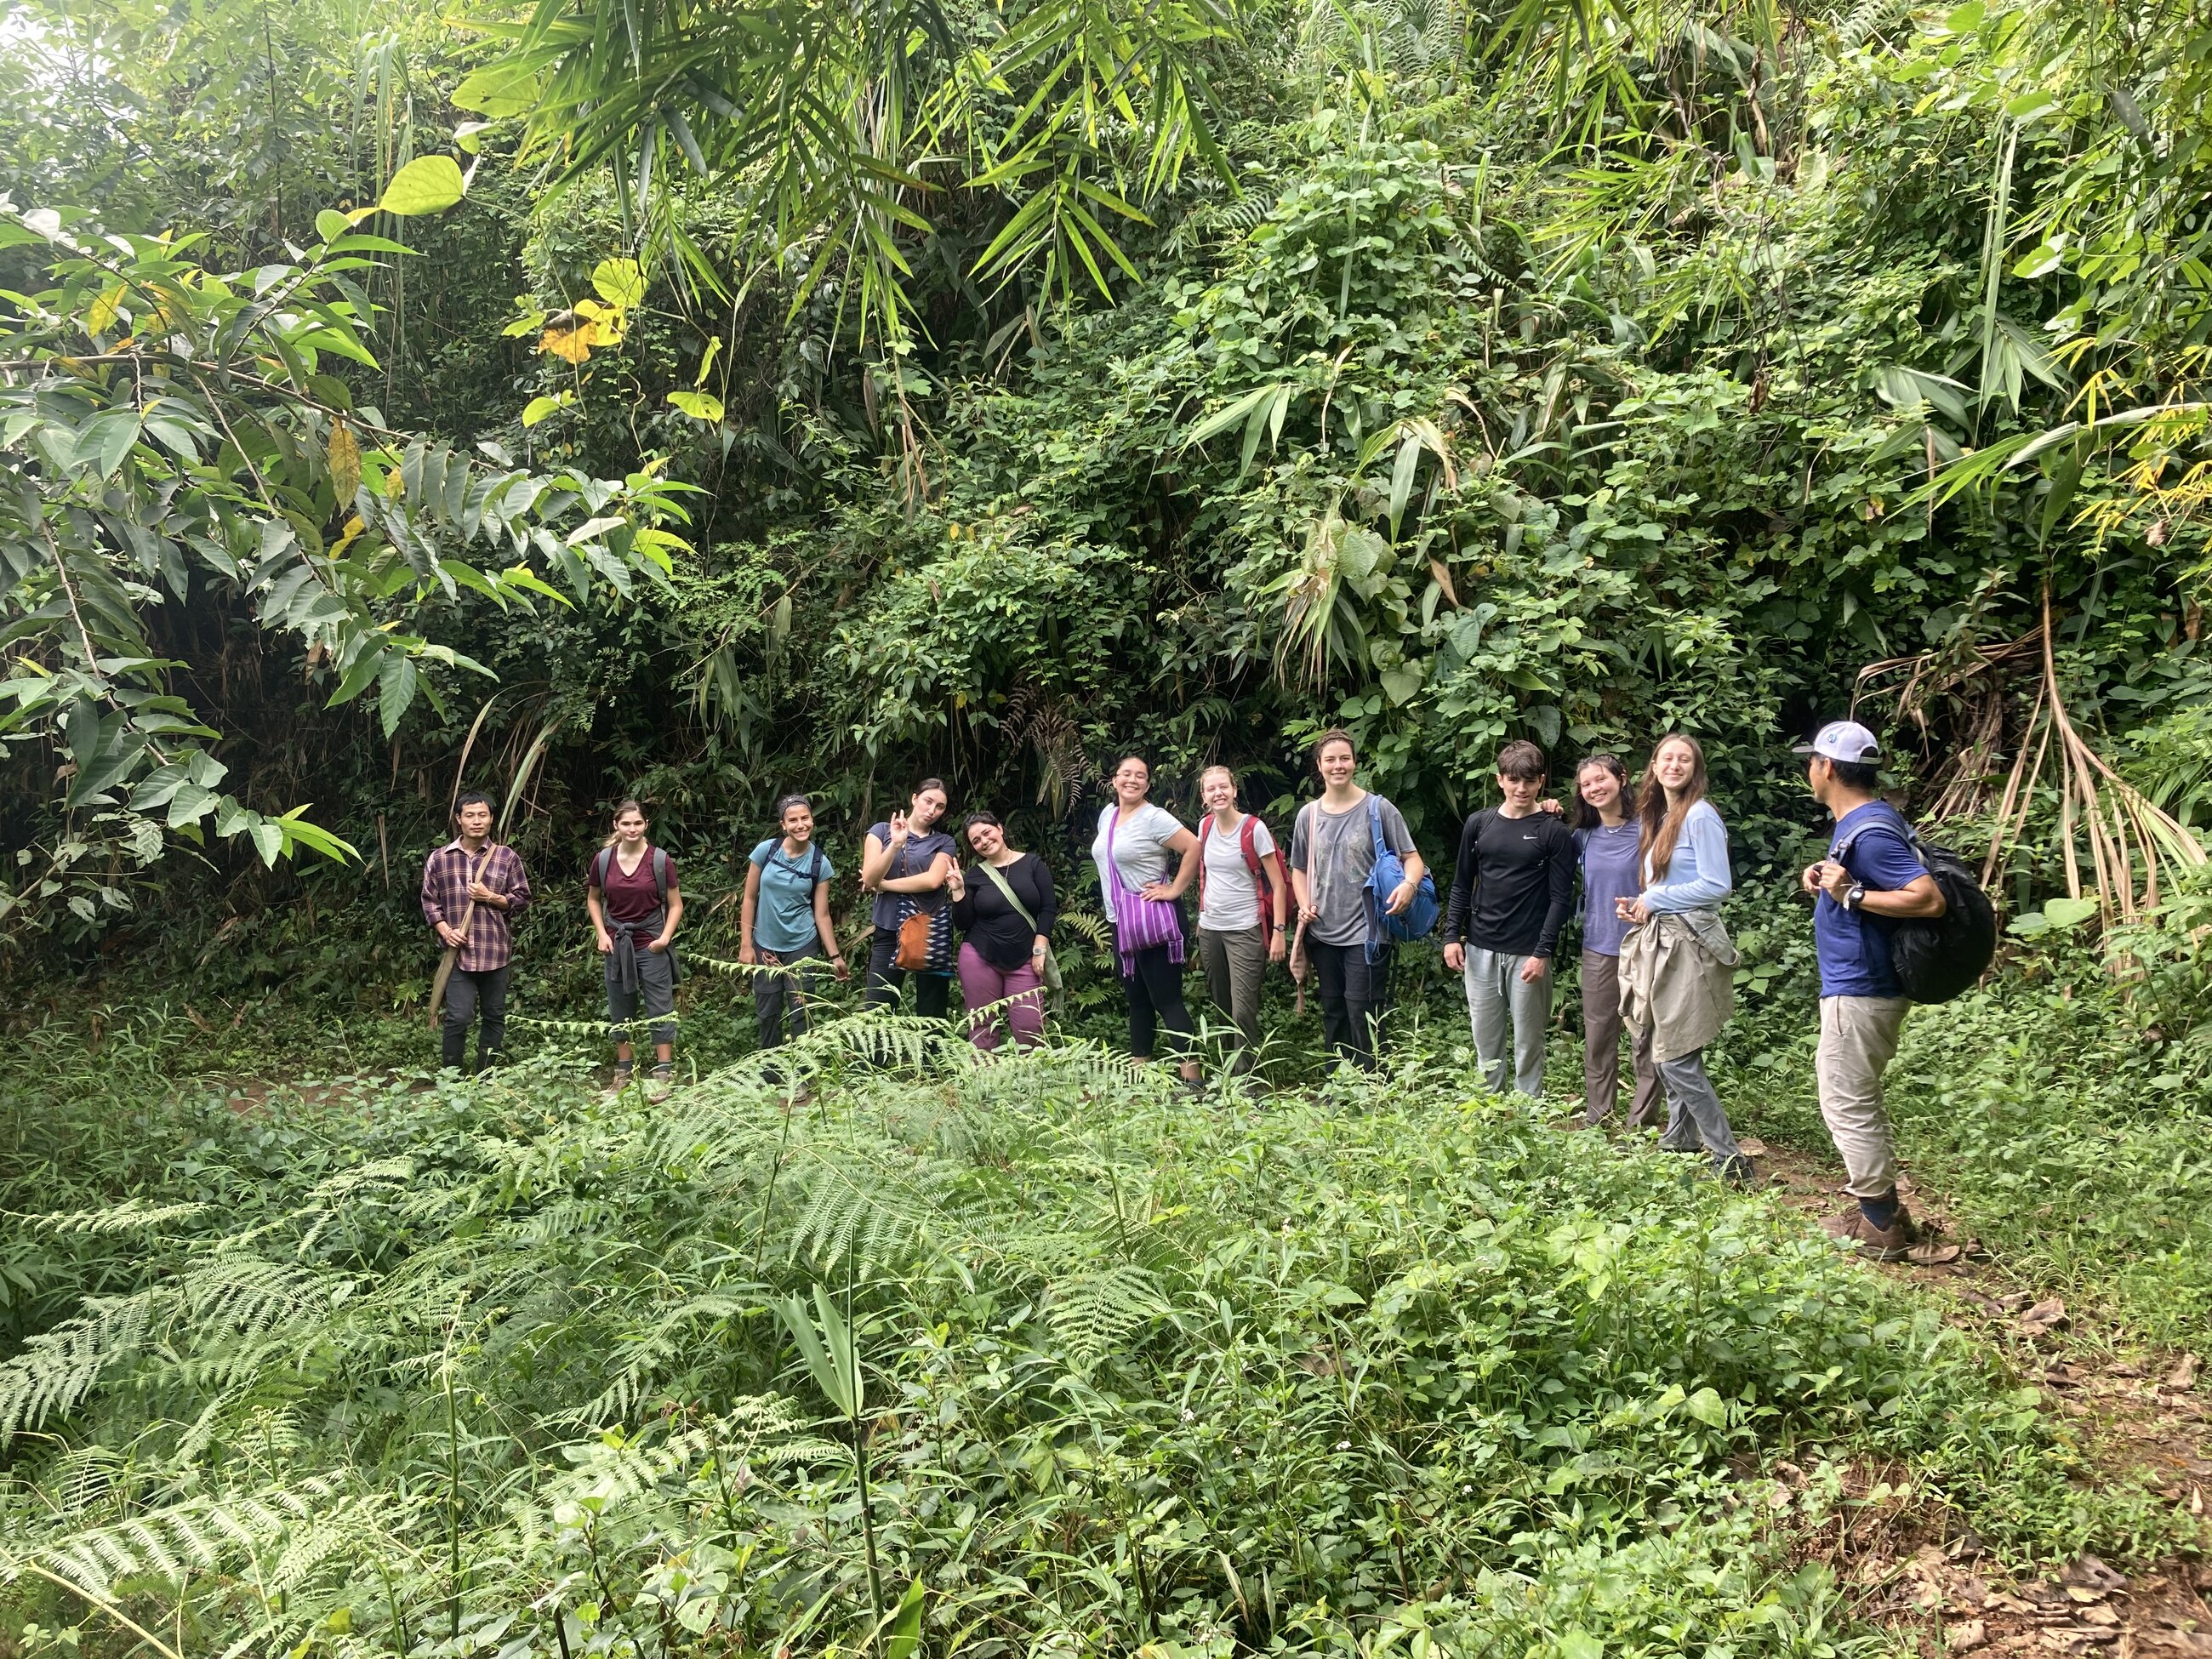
(1586, 816)
(1661, 828)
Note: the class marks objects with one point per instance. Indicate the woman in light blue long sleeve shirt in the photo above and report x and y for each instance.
(1697, 876)
(1686, 869)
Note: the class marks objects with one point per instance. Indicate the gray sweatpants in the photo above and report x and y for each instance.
(1236, 967)
(1503, 1009)
(1859, 1039)
(656, 983)
(1695, 1116)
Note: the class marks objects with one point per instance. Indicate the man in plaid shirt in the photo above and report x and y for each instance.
(470, 893)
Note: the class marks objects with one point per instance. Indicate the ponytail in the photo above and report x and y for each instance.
(622, 812)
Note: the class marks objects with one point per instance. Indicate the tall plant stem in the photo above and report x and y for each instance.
(860, 1447)
(452, 1492)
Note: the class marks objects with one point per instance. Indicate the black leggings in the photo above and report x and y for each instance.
(933, 992)
(1155, 994)
(1355, 995)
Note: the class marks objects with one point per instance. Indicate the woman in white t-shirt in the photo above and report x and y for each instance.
(1153, 859)
(1243, 907)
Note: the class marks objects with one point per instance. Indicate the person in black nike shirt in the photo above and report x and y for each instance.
(1510, 895)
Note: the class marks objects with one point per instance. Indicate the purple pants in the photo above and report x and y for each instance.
(982, 985)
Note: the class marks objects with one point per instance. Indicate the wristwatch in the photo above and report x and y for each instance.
(1855, 896)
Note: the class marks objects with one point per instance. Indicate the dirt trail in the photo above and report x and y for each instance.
(2142, 1415)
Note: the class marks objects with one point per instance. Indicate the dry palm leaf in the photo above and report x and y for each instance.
(2134, 850)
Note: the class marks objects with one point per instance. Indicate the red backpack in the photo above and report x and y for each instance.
(1260, 880)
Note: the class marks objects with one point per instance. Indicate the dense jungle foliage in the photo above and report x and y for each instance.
(699, 401)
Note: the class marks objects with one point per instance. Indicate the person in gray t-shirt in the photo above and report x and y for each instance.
(1332, 854)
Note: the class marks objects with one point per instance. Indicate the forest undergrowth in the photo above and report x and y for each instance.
(1032, 1356)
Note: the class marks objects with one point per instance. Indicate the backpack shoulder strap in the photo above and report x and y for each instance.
(1247, 833)
(660, 875)
(600, 867)
(814, 866)
(1375, 826)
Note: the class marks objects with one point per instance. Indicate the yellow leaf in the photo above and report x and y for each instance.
(344, 457)
(101, 317)
(571, 344)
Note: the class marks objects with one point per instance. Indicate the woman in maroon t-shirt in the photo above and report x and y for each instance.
(631, 894)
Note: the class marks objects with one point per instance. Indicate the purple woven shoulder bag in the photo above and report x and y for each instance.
(1139, 923)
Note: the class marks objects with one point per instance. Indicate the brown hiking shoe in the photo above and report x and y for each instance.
(1852, 1227)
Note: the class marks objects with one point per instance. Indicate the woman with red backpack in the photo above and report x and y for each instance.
(1243, 907)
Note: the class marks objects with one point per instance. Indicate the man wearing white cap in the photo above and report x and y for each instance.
(1870, 879)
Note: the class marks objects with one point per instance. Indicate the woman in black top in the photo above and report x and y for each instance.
(1004, 952)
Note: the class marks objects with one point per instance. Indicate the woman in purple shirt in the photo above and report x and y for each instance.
(1605, 842)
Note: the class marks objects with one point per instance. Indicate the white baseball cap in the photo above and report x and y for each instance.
(1843, 741)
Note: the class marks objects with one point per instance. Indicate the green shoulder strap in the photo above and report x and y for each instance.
(1008, 892)
(1055, 987)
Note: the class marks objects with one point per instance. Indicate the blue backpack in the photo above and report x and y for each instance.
(1420, 917)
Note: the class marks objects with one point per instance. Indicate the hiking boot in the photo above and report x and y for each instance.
(1739, 1171)
(621, 1079)
(663, 1079)
(1875, 1244)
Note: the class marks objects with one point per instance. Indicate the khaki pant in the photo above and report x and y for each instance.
(1236, 968)
(1601, 1026)
(1859, 1039)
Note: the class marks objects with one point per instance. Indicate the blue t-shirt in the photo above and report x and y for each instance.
(1853, 946)
(1609, 871)
(783, 920)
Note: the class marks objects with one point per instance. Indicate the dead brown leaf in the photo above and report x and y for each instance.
(2087, 1572)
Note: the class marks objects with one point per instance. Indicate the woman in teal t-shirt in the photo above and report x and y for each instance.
(785, 924)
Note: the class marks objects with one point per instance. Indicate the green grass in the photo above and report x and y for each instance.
(510, 1366)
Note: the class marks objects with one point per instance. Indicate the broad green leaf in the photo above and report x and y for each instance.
(620, 283)
(1708, 1407)
(906, 1625)
(298, 832)
(428, 184)
(268, 841)
(699, 405)
(538, 408)
(331, 224)
(2069, 912)
(499, 90)
(1402, 480)
(395, 691)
